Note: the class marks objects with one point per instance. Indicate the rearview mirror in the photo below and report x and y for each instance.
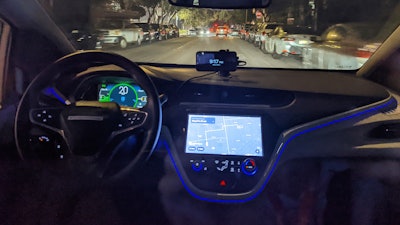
(222, 4)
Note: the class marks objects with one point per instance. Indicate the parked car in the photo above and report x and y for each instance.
(85, 40)
(244, 29)
(245, 32)
(120, 33)
(264, 31)
(157, 30)
(164, 32)
(349, 35)
(364, 52)
(192, 32)
(169, 31)
(346, 45)
(288, 40)
(148, 32)
(259, 27)
(251, 34)
(234, 32)
(173, 31)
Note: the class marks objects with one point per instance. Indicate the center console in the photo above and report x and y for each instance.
(223, 153)
(220, 156)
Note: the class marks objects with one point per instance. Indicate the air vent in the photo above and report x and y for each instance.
(235, 95)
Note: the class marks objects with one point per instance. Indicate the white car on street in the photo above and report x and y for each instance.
(120, 33)
(287, 40)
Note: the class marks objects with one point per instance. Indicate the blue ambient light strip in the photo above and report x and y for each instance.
(53, 92)
(282, 149)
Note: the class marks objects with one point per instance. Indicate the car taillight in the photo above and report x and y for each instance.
(367, 50)
(363, 53)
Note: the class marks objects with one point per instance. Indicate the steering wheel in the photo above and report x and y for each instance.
(88, 131)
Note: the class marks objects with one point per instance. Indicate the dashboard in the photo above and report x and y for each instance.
(225, 136)
(210, 123)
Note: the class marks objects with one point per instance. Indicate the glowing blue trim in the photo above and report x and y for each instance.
(53, 92)
(275, 161)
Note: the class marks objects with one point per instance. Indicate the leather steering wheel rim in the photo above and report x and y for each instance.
(151, 125)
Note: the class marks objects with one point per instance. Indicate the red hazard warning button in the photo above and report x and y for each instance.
(222, 183)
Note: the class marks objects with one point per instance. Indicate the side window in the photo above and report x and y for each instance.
(5, 33)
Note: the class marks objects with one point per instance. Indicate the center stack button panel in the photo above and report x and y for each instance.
(230, 174)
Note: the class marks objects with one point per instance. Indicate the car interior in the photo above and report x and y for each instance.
(312, 146)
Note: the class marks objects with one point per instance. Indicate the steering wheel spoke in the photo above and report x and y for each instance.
(47, 117)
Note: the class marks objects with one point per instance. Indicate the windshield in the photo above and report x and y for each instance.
(300, 34)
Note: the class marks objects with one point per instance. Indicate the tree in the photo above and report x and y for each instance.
(196, 17)
(205, 17)
(167, 12)
(108, 5)
(149, 5)
(138, 9)
(238, 17)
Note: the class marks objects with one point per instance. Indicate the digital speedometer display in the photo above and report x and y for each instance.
(125, 94)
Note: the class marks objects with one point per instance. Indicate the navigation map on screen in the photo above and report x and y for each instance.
(224, 135)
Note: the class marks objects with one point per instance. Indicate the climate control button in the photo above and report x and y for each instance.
(198, 165)
(249, 167)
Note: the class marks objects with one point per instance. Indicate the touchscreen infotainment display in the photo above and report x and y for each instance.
(224, 135)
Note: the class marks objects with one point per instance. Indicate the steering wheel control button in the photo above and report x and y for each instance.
(198, 165)
(47, 146)
(45, 117)
(249, 167)
(131, 119)
(43, 139)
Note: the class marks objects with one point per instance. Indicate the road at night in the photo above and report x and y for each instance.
(183, 50)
